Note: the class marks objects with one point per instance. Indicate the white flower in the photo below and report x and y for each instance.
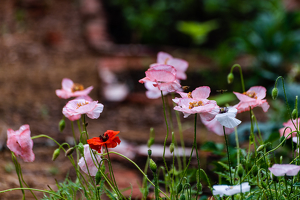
(230, 190)
(226, 117)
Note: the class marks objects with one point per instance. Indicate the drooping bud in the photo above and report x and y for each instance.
(55, 154)
(81, 148)
(69, 151)
(171, 147)
(182, 197)
(274, 93)
(294, 114)
(98, 177)
(179, 188)
(150, 142)
(61, 125)
(261, 147)
(240, 170)
(152, 165)
(230, 78)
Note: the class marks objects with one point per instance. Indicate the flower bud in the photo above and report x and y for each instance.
(261, 147)
(81, 148)
(199, 186)
(274, 93)
(55, 154)
(182, 197)
(69, 151)
(179, 188)
(294, 114)
(153, 166)
(149, 152)
(255, 170)
(98, 177)
(61, 125)
(150, 142)
(230, 78)
(171, 147)
(240, 170)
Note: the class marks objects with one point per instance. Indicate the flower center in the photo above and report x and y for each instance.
(250, 94)
(104, 138)
(223, 110)
(229, 188)
(195, 104)
(77, 87)
(81, 104)
(189, 95)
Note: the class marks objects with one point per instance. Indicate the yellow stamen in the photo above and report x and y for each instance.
(77, 87)
(250, 94)
(166, 61)
(81, 104)
(189, 95)
(195, 104)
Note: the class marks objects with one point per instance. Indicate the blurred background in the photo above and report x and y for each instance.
(44, 41)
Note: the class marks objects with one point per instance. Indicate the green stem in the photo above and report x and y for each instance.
(180, 132)
(228, 155)
(237, 146)
(46, 191)
(166, 121)
(139, 170)
(241, 75)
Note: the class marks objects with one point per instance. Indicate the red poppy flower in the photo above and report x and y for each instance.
(109, 139)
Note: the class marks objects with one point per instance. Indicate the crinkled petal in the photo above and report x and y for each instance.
(259, 90)
(67, 84)
(95, 113)
(201, 92)
(169, 87)
(160, 76)
(163, 57)
(284, 169)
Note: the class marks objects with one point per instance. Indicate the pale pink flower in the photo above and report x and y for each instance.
(284, 169)
(216, 127)
(179, 64)
(71, 89)
(88, 163)
(21, 143)
(252, 98)
(75, 108)
(291, 128)
(153, 92)
(195, 102)
(164, 77)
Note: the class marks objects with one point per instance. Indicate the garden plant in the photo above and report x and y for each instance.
(254, 172)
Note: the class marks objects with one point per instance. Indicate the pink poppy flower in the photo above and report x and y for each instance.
(252, 98)
(284, 169)
(71, 89)
(21, 143)
(75, 108)
(289, 130)
(216, 127)
(164, 77)
(179, 64)
(152, 91)
(88, 165)
(195, 102)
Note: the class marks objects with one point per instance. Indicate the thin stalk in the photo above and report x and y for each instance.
(166, 121)
(228, 155)
(241, 75)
